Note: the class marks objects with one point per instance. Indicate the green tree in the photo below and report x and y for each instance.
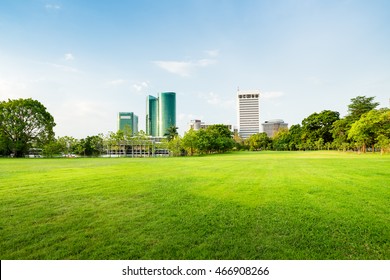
(371, 127)
(340, 129)
(116, 140)
(239, 142)
(189, 141)
(127, 132)
(203, 141)
(383, 143)
(360, 105)
(24, 122)
(281, 140)
(93, 145)
(295, 138)
(52, 148)
(68, 144)
(259, 141)
(4, 146)
(220, 138)
(175, 146)
(319, 144)
(319, 125)
(171, 132)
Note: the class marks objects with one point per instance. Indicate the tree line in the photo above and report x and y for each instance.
(26, 124)
(364, 128)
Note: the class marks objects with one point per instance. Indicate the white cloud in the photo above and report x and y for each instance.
(52, 7)
(215, 99)
(204, 62)
(180, 68)
(139, 87)
(184, 68)
(69, 56)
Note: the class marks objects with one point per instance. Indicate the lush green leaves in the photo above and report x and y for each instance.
(24, 122)
(171, 132)
(360, 105)
(259, 141)
(319, 125)
(370, 127)
(214, 139)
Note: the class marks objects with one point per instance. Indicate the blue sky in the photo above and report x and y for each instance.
(88, 60)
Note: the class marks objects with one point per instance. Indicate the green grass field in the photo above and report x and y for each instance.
(264, 205)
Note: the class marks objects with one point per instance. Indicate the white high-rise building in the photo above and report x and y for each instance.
(248, 113)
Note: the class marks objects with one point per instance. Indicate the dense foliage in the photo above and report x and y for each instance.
(364, 128)
(214, 139)
(24, 123)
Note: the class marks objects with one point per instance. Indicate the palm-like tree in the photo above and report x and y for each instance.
(171, 132)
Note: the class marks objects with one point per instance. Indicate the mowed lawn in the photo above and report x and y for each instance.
(246, 205)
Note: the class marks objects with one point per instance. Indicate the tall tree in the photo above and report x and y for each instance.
(203, 141)
(360, 105)
(93, 145)
(295, 132)
(189, 141)
(171, 132)
(319, 125)
(371, 127)
(24, 122)
(175, 146)
(220, 138)
(340, 129)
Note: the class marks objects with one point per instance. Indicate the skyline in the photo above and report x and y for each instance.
(88, 61)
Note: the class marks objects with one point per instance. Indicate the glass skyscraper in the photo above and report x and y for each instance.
(128, 120)
(152, 116)
(160, 113)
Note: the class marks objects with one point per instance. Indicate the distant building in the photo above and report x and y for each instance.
(152, 116)
(160, 113)
(198, 124)
(272, 126)
(248, 113)
(128, 120)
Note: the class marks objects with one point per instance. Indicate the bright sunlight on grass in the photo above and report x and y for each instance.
(264, 205)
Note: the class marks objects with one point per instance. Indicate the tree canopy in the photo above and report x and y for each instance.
(319, 125)
(259, 141)
(372, 127)
(360, 105)
(214, 139)
(23, 123)
(171, 132)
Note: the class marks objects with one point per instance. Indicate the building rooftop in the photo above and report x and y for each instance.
(275, 121)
